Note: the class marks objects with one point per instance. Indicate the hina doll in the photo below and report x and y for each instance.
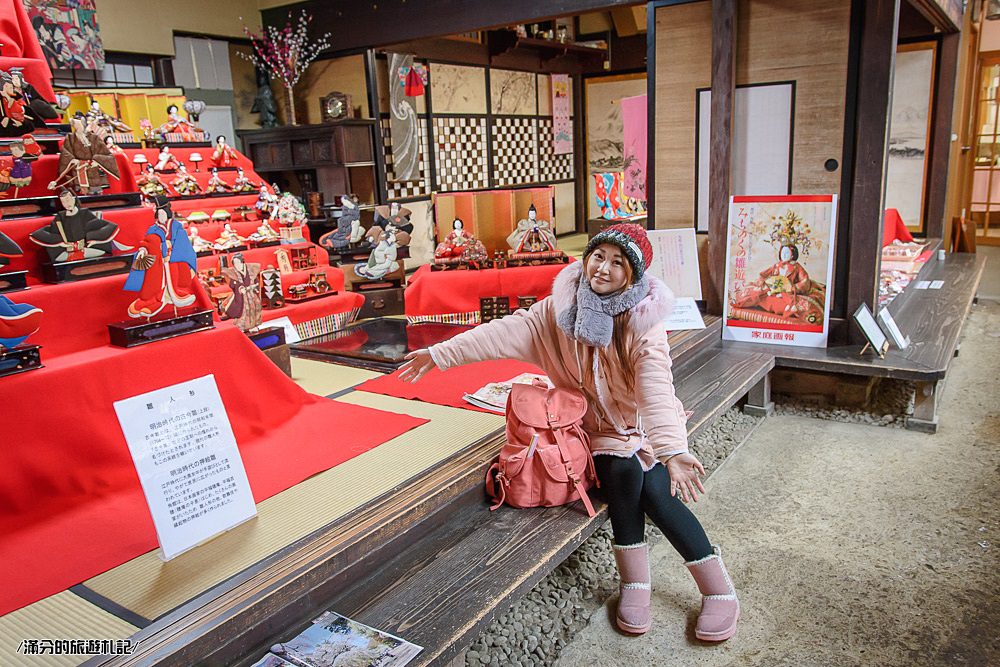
(394, 215)
(113, 148)
(84, 161)
(539, 231)
(150, 184)
(37, 108)
(243, 306)
(265, 233)
(166, 161)
(784, 289)
(350, 216)
(216, 184)
(266, 203)
(229, 239)
(75, 232)
(164, 266)
(14, 120)
(184, 183)
(177, 125)
(20, 171)
(455, 242)
(198, 241)
(224, 155)
(382, 260)
(242, 183)
(17, 322)
(97, 117)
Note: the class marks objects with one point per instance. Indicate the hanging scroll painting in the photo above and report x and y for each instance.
(562, 126)
(635, 141)
(404, 130)
(67, 32)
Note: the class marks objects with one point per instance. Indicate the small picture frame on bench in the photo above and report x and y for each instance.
(891, 329)
(873, 334)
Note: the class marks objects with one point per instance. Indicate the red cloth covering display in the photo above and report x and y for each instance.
(21, 48)
(430, 293)
(71, 505)
(894, 228)
(447, 387)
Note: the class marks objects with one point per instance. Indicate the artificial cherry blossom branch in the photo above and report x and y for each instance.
(286, 53)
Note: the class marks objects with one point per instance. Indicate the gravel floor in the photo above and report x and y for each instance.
(539, 625)
(891, 401)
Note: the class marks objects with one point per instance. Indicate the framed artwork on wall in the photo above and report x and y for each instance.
(910, 132)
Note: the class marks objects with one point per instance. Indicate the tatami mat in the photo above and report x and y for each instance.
(150, 587)
(61, 616)
(573, 245)
(324, 379)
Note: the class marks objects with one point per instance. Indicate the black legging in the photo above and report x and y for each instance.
(632, 494)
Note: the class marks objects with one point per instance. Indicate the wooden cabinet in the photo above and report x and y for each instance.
(338, 158)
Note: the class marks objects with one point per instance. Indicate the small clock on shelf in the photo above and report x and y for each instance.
(336, 106)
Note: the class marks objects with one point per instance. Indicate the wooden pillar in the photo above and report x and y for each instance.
(944, 102)
(880, 19)
(720, 160)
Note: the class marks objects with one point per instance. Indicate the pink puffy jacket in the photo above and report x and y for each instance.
(649, 422)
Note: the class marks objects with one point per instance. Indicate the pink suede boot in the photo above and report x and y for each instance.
(719, 607)
(633, 603)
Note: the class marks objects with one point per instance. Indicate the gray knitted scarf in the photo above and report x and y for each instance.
(590, 318)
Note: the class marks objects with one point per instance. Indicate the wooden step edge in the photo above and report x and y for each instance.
(702, 420)
(279, 587)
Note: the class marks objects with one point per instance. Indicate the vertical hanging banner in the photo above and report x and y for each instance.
(562, 127)
(67, 32)
(403, 128)
(189, 465)
(779, 264)
(634, 146)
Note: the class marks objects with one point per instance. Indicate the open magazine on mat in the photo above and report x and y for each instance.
(493, 396)
(333, 639)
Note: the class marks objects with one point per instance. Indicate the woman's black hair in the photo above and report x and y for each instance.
(172, 106)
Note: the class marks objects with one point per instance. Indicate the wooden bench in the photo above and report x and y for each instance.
(933, 319)
(427, 560)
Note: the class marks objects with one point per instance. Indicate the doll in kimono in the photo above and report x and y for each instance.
(176, 124)
(243, 306)
(216, 184)
(14, 119)
(266, 203)
(84, 161)
(37, 109)
(96, 116)
(242, 183)
(264, 233)
(532, 234)
(224, 155)
(8, 250)
(198, 242)
(75, 232)
(166, 161)
(164, 266)
(184, 183)
(382, 260)
(228, 239)
(150, 184)
(17, 322)
(350, 216)
(20, 171)
(396, 216)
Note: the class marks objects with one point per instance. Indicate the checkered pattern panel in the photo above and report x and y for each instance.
(515, 145)
(551, 167)
(406, 189)
(460, 155)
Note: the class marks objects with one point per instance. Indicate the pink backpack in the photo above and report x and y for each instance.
(546, 461)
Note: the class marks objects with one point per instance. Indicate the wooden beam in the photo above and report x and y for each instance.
(874, 98)
(945, 15)
(944, 102)
(361, 24)
(720, 161)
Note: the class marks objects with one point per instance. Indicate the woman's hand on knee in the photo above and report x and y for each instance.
(418, 364)
(685, 476)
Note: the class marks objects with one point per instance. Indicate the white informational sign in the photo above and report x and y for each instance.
(892, 329)
(291, 333)
(869, 327)
(762, 140)
(188, 463)
(779, 268)
(686, 316)
(923, 284)
(675, 260)
(937, 284)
